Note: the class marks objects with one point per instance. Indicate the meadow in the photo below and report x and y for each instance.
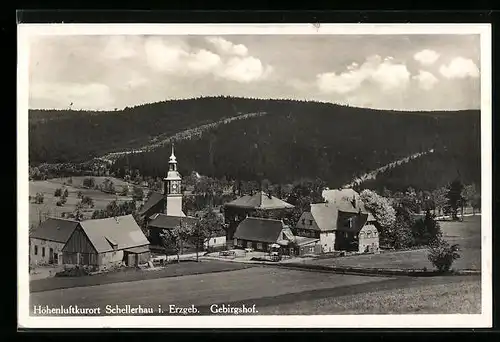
(466, 234)
(49, 207)
(452, 295)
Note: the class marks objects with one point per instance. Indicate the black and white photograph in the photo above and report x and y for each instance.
(254, 176)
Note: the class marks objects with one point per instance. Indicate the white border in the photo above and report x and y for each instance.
(483, 320)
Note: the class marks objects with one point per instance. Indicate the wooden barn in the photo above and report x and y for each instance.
(107, 242)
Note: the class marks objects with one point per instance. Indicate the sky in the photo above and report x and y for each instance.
(402, 72)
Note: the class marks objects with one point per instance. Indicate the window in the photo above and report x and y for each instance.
(310, 222)
(43, 252)
(259, 245)
(215, 240)
(361, 235)
(36, 250)
(369, 234)
(303, 221)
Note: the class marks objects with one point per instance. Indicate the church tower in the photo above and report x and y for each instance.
(172, 188)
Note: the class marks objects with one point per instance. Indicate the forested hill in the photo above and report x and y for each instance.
(76, 136)
(293, 140)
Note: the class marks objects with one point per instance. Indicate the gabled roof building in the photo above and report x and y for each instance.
(48, 240)
(105, 242)
(236, 211)
(337, 223)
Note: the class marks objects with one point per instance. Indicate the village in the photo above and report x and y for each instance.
(254, 228)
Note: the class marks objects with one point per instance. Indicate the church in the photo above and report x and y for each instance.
(163, 211)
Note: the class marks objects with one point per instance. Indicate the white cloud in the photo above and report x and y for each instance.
(426, 80)
(163, 57)
(385, 73)
(426, 57)
(226, 47)
(74, 95)
(120, 47)
(176, 59)
(459, 67)
(203, 61)
(244, 70)
(136, 82)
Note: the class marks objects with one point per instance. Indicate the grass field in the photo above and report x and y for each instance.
(423, 296)
(278, 291)
(172, 270)
(49, 207)
(247, 285)
(467, 234)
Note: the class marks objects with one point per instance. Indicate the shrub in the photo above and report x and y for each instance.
(58, 192)
(65, 193)
(89, 182)
(79, 194)
(39, 198)
(87, 201)
(426, 231)
(442, 254)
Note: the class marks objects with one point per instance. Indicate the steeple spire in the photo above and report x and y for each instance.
(173, 160)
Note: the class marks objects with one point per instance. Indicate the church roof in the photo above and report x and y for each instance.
(152, 201)
(169, 222)
(260, 200)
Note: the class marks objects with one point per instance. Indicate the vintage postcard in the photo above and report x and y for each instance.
(254, 176)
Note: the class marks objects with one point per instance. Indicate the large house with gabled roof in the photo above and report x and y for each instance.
(342, 223)
(239, 209)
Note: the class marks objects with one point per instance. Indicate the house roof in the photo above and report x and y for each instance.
(55, 229)
(325, 215)
(121, 230)
(260, 200)
(346, 200)
(259, 229)
(153, 200)
(169, 222)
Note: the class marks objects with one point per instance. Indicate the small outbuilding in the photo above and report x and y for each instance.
(48, 240)
(107, 242)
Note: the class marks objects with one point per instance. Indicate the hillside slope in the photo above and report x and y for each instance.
(75, 136)
(307, 140)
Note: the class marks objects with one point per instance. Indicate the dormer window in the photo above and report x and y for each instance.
(112, 243)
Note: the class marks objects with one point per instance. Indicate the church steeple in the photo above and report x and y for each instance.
(172, 188)
(172, 163)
